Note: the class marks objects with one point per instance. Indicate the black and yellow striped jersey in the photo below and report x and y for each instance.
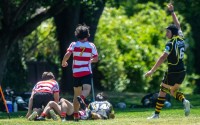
(175, 49)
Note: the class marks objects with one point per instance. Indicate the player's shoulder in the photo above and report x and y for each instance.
(73, 43)
(169, 43)
(91, 43)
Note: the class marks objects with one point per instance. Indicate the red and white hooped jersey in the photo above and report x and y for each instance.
(50, 86)
(82, 53)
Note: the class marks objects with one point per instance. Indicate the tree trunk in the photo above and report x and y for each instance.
(3, 56)
(66, 23)
(3, 60)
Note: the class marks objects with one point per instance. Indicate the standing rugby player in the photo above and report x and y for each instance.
(174, 53)
(84, 53)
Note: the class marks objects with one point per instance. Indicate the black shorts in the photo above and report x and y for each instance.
(41, 99)
(70, 117)
(172, 78)
(79, 81)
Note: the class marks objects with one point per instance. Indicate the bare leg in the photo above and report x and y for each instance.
(69, 107)
(86, 90)
(77, 92)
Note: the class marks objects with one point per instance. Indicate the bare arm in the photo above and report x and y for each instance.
(158, 63)
(94, 60)
(56, 97)
(65, 58)
(30, 105)
(174, 17)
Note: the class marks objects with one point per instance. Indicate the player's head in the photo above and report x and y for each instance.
(101, 97)
(47, 76)
(82, 31)
(173, 29)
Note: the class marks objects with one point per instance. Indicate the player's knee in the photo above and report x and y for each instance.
(164, 89)
(51, 103)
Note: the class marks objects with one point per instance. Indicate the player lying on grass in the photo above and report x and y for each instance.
(64, 109)
(99, 109)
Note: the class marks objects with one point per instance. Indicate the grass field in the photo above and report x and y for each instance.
(128, 116)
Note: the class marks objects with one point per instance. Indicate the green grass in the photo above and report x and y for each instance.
(123, 117)
(129, 116)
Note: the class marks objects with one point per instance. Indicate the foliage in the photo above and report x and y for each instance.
(130, 45)
(41, 44)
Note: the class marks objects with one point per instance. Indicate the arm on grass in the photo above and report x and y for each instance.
(30, 105)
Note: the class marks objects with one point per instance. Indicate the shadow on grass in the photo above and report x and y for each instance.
(20, 114)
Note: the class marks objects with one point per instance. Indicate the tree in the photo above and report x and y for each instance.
(19, 18)
(129, 45)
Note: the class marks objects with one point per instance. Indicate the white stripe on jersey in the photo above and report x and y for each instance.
(81, 62)
(75, 70)
(84, 54)
(48, 85)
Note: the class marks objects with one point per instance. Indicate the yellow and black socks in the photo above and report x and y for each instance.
(179, 96)
(159, 104)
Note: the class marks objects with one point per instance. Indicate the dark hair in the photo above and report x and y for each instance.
(173, 28)
(82, 31)
(47, 76)
(101, 97)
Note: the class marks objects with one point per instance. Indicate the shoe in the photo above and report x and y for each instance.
(63, 119)
(82, 103)
(76, 119)
(33, 116)
(41, 118)
(154, 116)
(111, 115)
(53, 115)
(186, 104)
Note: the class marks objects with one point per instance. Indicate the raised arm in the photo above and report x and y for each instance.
(174, 17)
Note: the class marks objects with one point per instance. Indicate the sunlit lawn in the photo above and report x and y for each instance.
(125, 117)
(129, 116)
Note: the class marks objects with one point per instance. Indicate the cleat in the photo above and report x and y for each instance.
(154, 116)
(76, 119)
(41, 118)
(53, 115)
(81, 102)
(33, 116)
(111, 115)
(63, 119)
(186, 104)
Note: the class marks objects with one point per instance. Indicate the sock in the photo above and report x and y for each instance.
(76, 115)
(83, 97)
(179, 96)
(159, 104)
(43, 115)
(63, 114)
